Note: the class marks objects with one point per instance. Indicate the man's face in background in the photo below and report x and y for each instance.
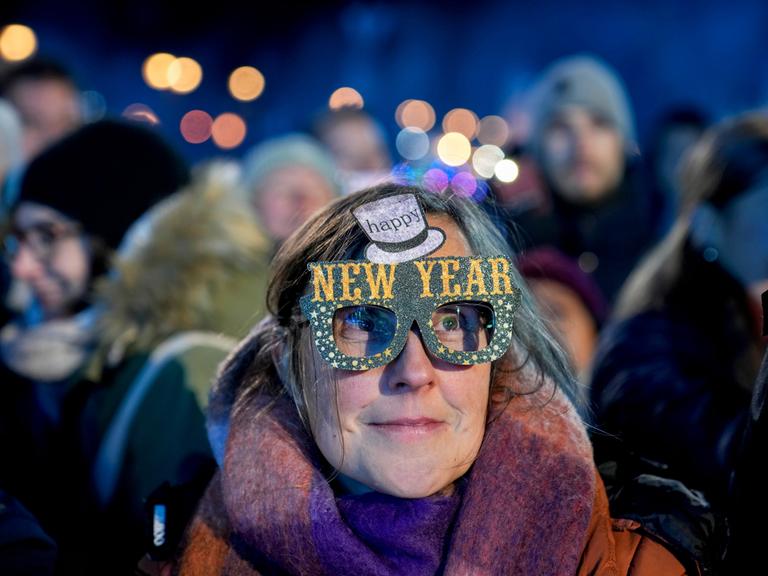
(582, 154)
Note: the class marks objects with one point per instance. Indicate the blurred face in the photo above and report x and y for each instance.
(583, 154)
(411, 427)
(49, 254)
(288, 197)
(49, 109)
(573, 322)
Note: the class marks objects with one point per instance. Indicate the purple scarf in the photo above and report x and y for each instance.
(524, 507)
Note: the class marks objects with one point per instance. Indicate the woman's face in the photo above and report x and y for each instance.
(288, 197)
(50, 255)
(411, 427)
(571, 320)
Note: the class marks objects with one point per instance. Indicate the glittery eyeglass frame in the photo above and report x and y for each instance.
(413, 290)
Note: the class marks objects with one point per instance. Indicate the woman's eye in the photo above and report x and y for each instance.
(450, 322)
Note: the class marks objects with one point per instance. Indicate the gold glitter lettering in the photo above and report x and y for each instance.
(475, 278)
(347, 281)
(380, 280)
(425, 270)
(500, 276)
(446, 276)
(320, 282)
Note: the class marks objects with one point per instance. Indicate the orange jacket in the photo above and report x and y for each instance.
(618, 547)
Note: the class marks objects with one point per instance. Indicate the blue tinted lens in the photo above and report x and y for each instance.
(361, 331)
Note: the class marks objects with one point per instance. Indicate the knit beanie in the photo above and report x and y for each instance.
(104, 176)
(581, 81)
(285, 151)
(547, 263)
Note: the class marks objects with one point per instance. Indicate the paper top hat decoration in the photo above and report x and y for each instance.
(397, 229)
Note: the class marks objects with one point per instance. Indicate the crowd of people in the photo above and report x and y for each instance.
(304, 362)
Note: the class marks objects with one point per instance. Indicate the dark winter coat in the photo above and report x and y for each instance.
(674, 381)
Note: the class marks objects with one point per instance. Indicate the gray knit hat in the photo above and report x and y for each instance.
(581, 81)
(284, 151)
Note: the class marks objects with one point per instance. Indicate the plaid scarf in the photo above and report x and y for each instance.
(524, 507)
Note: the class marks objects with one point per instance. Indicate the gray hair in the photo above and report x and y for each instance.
(285, 350)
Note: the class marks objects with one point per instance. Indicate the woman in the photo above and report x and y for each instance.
(673, 376)
(285, 180)
(570, 298)
(428, 461)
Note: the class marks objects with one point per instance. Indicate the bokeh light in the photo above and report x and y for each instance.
(345, 97)
(435, 180)
(485, 158)
(196, 126)
(507, 170)
(228, 131)
(155, 70)
(412, 143)
(246, 83)
(17, 42)
(493, 130)
(464, 184)
(454, 149)
(415, 114)
(184, 75)
(141, 113)
(462, 121)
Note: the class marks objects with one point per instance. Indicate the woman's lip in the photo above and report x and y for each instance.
(408, 422)
(408, 430)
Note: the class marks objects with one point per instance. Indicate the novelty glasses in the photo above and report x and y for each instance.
(361, 312)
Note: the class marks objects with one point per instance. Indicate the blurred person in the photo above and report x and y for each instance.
(48, 101)
(77, 199)
(676, 131)
(76, 203)
(583, 138)
(358, 145)
(286, 180)
(419, 435)
(189, 279)
(571, 300)
(673, 376)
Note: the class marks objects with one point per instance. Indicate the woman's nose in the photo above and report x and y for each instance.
(413, 367)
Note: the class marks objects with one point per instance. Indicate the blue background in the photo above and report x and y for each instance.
(479, 55)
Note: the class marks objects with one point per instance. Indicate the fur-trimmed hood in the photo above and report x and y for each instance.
(196, 261)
